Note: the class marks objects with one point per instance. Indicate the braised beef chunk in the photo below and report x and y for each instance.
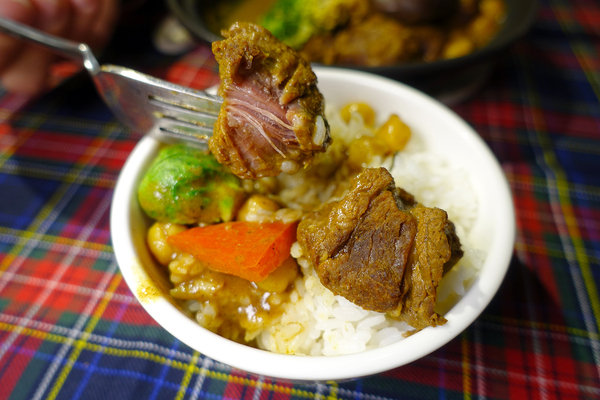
(360, 245)
(326, 230)
(431, 251)
(405, 199)
(455, 247)
(272, 119)
(381, 250)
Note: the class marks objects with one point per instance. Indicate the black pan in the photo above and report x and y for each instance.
(449, 79)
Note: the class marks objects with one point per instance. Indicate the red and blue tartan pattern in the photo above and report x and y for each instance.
(71, 329)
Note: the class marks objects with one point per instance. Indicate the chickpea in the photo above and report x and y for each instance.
(458, 46)
(257, 208)
(183, 267)
(278, 280)
(493, 8)
(287, 215)
(482, 29)
(157, 240)
(364, 110)
(263, 185)
(394, 133)
(363, 150)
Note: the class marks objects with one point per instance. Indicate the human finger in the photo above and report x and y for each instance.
(85, 13)
(16, 10)
(104, 26)
(28, 73)
(53, 16)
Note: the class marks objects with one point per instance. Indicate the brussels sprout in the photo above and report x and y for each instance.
(185, 185)
(294, 22)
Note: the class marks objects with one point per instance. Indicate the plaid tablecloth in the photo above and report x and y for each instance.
(71, 329)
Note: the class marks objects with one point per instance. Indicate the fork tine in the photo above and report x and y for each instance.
(183, 121)
(195, 101)
(195, 116)
(172, 129)
(148, 103)
(140, 101)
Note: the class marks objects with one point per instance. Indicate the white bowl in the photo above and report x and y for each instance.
(443, 131)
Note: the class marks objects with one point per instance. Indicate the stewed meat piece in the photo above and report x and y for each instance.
(381, 250)
(436, 248)
(418, 11)
(272, 119)
(361, 244)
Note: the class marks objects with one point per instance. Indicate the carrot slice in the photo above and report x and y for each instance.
(250, 250)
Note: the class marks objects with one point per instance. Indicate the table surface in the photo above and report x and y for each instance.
(70, 328)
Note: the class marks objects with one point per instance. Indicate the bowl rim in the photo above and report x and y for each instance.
(520, 17)
(311, 368)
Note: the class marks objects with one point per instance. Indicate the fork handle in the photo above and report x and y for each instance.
(68, 48)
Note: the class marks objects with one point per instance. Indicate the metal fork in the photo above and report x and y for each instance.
(142, 102)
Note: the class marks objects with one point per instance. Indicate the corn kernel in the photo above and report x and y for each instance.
(364, 110)
(394, 133)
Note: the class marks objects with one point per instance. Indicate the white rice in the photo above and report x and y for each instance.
(315, 321)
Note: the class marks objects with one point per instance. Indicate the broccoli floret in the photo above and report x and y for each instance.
(185, 185)
(295, 21)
